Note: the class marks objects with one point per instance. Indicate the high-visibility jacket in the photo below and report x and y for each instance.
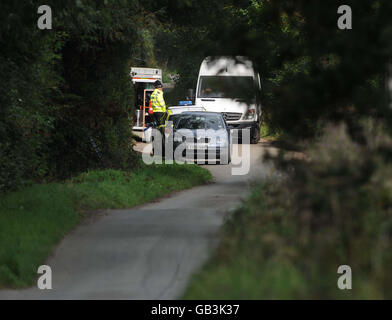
(157, 102)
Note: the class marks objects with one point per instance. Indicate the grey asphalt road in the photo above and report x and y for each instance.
(149, 252)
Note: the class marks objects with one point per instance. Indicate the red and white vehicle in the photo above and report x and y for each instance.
(145, 75)
(143, 79)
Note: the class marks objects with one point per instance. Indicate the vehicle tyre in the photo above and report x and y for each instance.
(256, 135)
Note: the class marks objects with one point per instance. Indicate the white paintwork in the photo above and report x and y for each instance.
(146, 75)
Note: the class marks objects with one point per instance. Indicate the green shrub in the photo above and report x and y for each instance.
(65, 95)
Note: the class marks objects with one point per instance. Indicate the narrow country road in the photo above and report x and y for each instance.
(149, 252)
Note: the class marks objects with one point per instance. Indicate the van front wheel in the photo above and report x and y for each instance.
(255, 136)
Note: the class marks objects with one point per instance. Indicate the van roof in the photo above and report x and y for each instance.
(227, 66)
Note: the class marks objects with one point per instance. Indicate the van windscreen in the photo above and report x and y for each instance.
(231, 87)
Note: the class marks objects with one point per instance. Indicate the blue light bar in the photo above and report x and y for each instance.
(185, 103)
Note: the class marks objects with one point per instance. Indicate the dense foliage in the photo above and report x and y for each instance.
(65, 94)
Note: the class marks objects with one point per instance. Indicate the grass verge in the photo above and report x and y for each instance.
(35, 218)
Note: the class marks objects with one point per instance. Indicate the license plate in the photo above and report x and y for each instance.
(198, 146)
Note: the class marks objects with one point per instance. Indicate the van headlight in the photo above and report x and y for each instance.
(250, 114)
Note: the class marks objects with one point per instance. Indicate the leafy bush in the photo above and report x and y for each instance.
(65, 95)
(26, 74)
